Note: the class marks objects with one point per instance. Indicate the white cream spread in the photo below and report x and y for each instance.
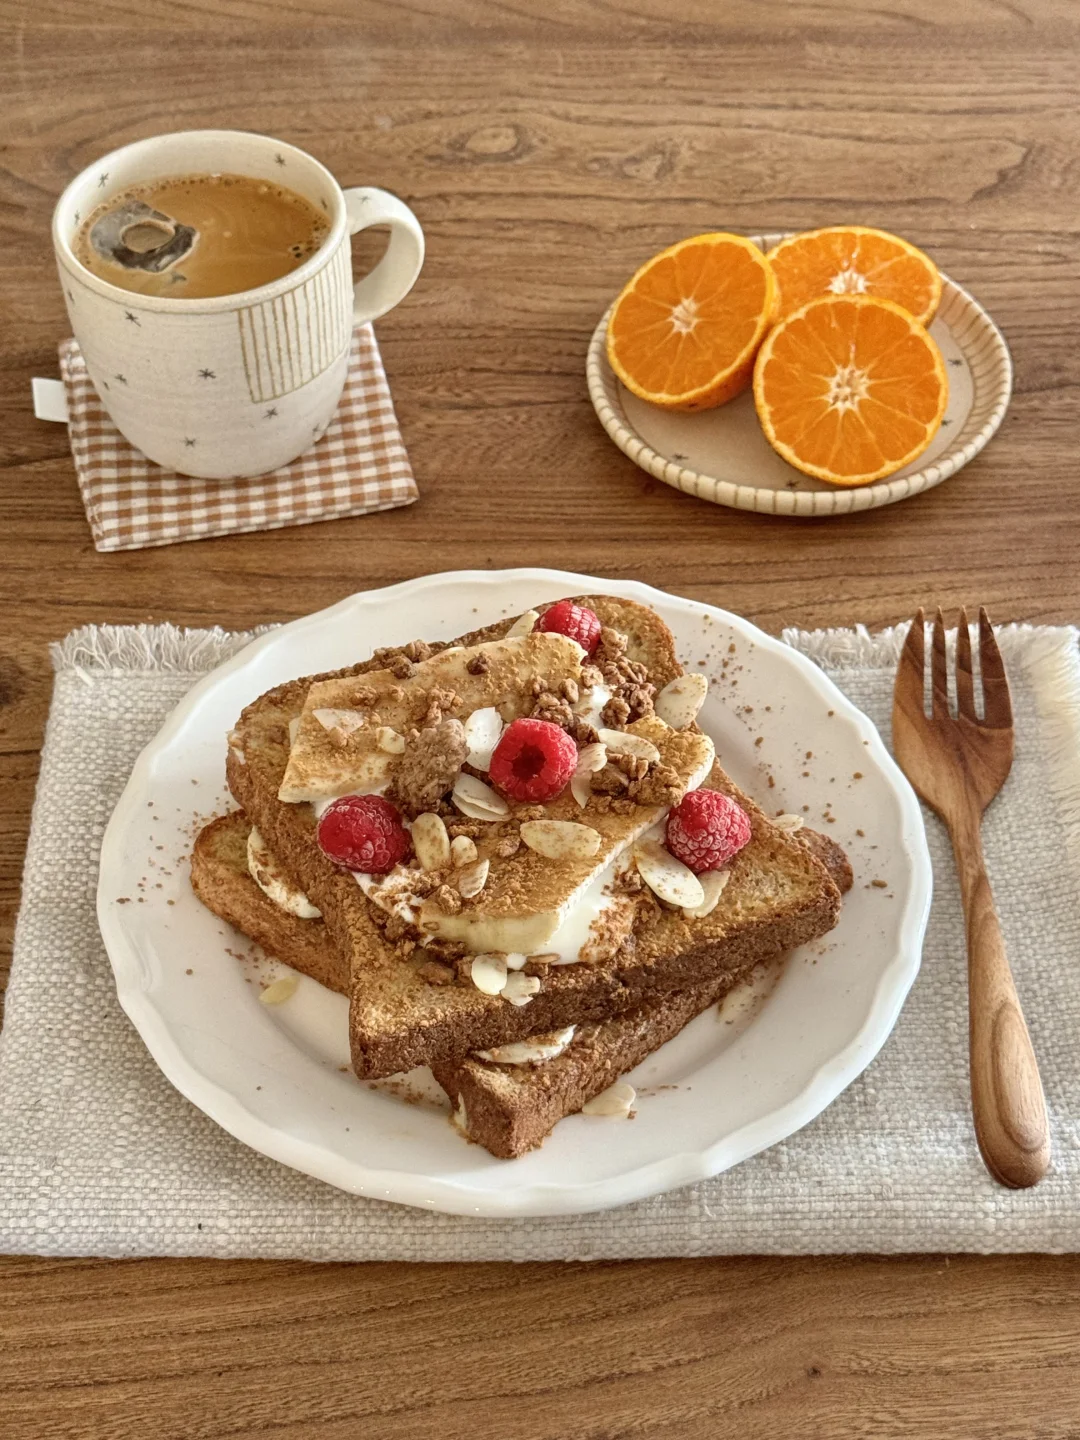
(270, 878)
(533, 1051)
(459, 1119)
(591, 704)
(570, 938)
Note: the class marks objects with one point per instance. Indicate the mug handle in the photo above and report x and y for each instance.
(395, 274)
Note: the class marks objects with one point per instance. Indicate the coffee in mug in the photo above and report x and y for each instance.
(188, 237)
(226, 372)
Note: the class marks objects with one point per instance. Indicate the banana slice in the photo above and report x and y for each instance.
(348, 759)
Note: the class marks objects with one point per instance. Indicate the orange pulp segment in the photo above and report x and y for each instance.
(850, 389)
(684, 331)
(855, 260)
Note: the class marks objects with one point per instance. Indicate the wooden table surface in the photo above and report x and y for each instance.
(549, 146)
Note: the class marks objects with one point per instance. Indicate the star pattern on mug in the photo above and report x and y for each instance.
(279, 159)
(134, 319)
(207, 375)
(102, 178)
(71, 297)
(956, 362)
(271, 414)
(121, 378)
(189, 443)
(77, 216)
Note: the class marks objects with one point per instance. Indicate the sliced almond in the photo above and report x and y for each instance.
(477, 800)
(430, 841)
(389, 741)
(462, 851)
(533, 1051)
(516, 962)
(790, 823)
(471, 879)
(616, 1100)
(488, 973)
(524, 624)
(520, 989)
(712, 885)
(681, 699)
(473, 812)
(667, 877)
(581, 789)
(619, 742)
(591, 758)
(346, 721)
(460, 1118)
(278, 991)
(561, 839)
(483, 731)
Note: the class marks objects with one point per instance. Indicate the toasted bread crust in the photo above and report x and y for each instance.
(396, 1020)
(219, 876)
(510, 1110)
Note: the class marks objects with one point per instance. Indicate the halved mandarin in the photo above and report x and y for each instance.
(684, 332)
(855, 260)
(850, 389)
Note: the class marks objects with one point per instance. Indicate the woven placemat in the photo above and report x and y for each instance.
(100, 1155)
(358, 465)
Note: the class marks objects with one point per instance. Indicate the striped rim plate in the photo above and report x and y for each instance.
(722, 455)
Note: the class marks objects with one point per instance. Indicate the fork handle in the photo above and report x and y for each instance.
(1007, 1100)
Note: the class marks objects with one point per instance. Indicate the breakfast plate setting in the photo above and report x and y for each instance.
(739, 1078)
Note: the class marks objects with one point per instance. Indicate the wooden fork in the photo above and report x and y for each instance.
(958, 764)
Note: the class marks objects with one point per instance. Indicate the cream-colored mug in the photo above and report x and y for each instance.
(239, 384)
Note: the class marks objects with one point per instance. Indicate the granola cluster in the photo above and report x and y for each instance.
(555, 706)
(428, 767)
(633, 778)
(628, 680)
(400, 659)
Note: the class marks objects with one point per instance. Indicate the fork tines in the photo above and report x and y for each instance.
(997, 707)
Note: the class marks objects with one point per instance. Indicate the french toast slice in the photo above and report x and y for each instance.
(509, 1109)
(779, 896)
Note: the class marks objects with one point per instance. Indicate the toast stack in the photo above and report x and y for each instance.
(530, 953)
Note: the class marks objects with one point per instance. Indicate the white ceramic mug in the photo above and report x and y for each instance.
(232, 385)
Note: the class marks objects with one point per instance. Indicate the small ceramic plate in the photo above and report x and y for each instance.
(722, 455)
(278, 1078)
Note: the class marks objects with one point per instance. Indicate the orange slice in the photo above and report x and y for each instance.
(850, 389)
(852, 260)
(684, 332)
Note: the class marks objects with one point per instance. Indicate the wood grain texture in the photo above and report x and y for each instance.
(547, 149)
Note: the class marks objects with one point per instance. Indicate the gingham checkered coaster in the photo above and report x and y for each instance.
(359, 465)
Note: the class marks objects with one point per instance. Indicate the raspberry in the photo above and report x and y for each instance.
(575, 621)
(363, 832)
(534, 760)
(706, 830)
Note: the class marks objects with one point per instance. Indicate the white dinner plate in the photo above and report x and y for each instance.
(722, 455)
(277, 1078)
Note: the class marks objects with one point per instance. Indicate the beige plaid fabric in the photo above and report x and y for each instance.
(359, 465)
